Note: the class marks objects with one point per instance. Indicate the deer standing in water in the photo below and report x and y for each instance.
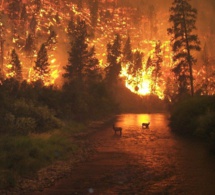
(117, 129)
(145, 125)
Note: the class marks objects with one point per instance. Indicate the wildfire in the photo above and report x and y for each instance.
(143, 88)
(140, 83)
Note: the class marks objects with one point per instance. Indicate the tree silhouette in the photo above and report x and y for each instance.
(113, 59)
(24, 14)
(29, 45)
(74, 70)
(15, 70)
(138, 56)
(157, 63)
(184, 41)
(41, 68)
(127, 51)
(52, 40)
(128, 55)
(33, 25)
(71, 28)
(82, 75)
(92, 70)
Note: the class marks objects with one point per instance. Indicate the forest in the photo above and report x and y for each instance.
(40, 67)
(74, 61)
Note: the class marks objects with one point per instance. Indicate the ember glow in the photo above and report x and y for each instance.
(144, 28)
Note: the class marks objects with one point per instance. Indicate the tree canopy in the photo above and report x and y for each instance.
(184, 42)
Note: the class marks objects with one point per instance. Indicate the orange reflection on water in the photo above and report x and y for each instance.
(133, 120)
(143, 118)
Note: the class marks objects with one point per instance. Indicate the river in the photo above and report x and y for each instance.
(142, 161)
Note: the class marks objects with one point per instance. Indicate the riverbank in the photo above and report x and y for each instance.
(47, 176)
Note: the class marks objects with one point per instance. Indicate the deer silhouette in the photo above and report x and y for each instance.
(117, 129)
(145, 125)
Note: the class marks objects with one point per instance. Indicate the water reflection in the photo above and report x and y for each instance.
(169, 161)
(135, 120)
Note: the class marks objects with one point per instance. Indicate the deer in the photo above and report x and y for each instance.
(117, 129)
(145, 125)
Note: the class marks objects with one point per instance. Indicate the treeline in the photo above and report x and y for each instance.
(88, 91)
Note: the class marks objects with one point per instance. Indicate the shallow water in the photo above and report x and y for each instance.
(141, 161)
(173, 164)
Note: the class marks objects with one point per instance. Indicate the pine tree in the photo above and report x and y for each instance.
(128, 55)
(71, 28)
(92, 70)
(41, 68)
(78, 54)
(29, 45)
(184, 41)
(52, 40)
(23, 19)
(157, 63)
(81, 73)
(16, 69)
(24, 15)
(138, 56)
(33, 25)
(113, 59)
(127, 51)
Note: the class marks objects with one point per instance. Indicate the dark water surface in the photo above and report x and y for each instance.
(142, 161)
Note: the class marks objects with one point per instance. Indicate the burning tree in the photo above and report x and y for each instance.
(184, 41)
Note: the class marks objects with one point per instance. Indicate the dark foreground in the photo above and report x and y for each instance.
(141, 161)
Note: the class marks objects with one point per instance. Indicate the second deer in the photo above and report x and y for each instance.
(117, 129)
